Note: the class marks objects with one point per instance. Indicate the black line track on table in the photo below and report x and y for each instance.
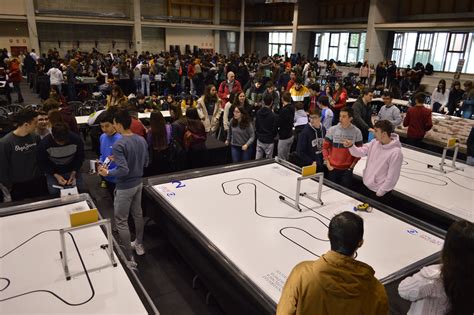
(430, 175)
(435, 176)
(447, 164)
(442, 182)
(48, 291)
(278, 217)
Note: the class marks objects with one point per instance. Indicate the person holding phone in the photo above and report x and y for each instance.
(60, 156)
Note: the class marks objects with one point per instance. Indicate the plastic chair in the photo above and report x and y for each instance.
(75, 105)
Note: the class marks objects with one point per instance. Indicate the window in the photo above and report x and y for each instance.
(442, 49)
(333, 46)
(280, 43)
(362, 46)
(397, 47)
(469, 64)
(345, 47)
(423, 48)
(317, 45)
(353, 48)
(456, 49)
(231, 41)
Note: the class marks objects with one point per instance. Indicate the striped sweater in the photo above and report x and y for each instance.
(333, 149)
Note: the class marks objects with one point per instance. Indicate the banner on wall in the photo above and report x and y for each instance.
(459, 67)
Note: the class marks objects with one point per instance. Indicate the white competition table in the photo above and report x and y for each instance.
(262, 238)
(395, 101)
(452, 192)
(82, 120)
(32, 278)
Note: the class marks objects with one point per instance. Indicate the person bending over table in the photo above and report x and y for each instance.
(60, 156)
(384, 159)
(336, 283)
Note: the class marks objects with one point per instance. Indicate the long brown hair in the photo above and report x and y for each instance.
(338, 92)
(178, 112)
(244, 118)
(159, 137)
(207, 94)
(457, 271)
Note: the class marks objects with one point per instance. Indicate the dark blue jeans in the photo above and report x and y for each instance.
(51, 180)
(341, 177)
(467, 109)
(436, 107)
(239, 155)
(71, 92)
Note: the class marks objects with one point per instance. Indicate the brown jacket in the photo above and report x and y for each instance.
(334, 284)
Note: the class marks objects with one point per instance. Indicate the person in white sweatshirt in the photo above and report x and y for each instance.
(439, 97)
(445, 289)
(384, 159)
(55, 76)
(389, 111)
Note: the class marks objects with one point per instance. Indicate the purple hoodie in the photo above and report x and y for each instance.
(383, 166)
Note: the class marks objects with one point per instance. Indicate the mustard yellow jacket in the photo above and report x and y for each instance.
(334, 284)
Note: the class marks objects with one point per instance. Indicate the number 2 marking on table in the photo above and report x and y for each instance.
(178, 184)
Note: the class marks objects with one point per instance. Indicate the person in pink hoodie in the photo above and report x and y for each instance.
(384, 158)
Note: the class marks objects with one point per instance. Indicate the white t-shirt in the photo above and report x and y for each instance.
(55, 76)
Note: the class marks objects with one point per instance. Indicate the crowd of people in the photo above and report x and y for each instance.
(260, 108)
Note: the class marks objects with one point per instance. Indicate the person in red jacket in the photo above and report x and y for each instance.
(340, 98)
(15, 76)
(418, 121)
(337, 158)
(231, 85)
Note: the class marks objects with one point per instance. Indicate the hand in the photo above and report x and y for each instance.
(328, 165)
(60, 179)
(245, 147)
(227, 142)
(111, 157)
(347, 143)
(371, 130)
(72, 178)
(103, 171)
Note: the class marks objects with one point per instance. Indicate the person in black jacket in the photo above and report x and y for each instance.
(19, 172)
(363, 113)
(310, 141)
(60, 156)
(285, 126)
(265, 124)
(470, 148)
(455, 96)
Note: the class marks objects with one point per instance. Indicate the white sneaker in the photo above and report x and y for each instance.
(139, 249)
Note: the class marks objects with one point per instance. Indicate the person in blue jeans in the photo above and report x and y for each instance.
(241, 135)
(130, 154)
(107, 140)
(468, 103)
